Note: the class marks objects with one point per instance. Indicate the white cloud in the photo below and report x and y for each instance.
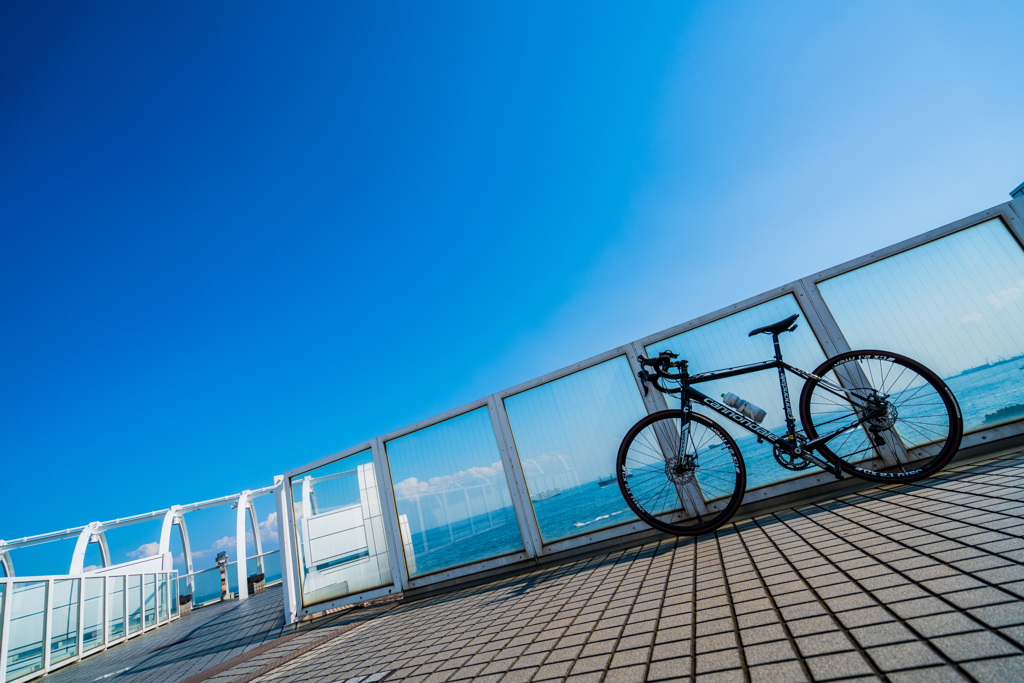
(92, 568)
(144, 550)
(268, 528)
(1007, 296)
(226, 543)
(468, 478)
(972, 319)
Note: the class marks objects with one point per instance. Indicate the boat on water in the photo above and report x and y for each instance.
(544, 495)
(611, 479)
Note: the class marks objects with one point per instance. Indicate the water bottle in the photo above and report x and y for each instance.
(745, 407)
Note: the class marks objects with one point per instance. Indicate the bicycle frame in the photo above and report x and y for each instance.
(788, 442)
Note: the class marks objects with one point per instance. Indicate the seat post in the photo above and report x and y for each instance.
(778, 349)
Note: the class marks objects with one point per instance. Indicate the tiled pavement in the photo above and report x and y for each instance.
(912, 582)
(193, 647)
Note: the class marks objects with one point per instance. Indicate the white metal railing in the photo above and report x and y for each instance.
(47, 622)
(205, 585)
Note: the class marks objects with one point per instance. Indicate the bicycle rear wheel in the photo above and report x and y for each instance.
(656, 474)
(913, 418)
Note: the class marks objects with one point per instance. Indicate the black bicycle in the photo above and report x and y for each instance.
(875, 415)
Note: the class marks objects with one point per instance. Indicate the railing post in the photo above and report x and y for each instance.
(124, 605)
(81, 617)
(289, 578)
(389, 511)
(106, 611)
(240, 554)
(516, 478)
(47, 624)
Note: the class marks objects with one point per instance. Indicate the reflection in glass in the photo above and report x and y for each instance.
(64, 631)
(567, 433)
(162, 598)
(957, 306)
(453, 501)
(340, 529)
(115, 607)
(150, 583)
(134, 603)
(725, 343)
(92, 613)
(173, 588)
(27, 628)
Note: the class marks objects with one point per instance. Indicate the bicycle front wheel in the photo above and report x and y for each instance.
(910, 424)
(682, 488)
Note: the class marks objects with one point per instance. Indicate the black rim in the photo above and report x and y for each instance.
(910, 409)
(650, 482)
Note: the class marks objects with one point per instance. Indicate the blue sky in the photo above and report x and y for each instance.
(239, 237)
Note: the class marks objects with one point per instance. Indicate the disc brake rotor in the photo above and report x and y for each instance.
(679, 472)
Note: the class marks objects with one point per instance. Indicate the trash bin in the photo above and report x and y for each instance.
(255, 584)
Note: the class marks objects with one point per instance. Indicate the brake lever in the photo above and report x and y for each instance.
(643, 380)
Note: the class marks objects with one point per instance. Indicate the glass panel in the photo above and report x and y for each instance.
(173, 587)
(272, 567)
(2, 587)
(232, 570)
(134, 603)
(27, 629)
(454, 505)
(207, 586)
(567, 433)
(149, 581)
(115, 607)
(92, 608)
(725, 343)
(957, 306)
(340, 530)
(163, 597)
(64, 632)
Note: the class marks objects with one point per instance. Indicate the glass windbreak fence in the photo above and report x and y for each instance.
(51, 621)
(453, 500)
(567, 433)
(339, 528)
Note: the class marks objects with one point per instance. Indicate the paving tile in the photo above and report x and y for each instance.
(903, 656)
(766, 653)
(824, 643)
(762, 634)
(997, 670)
(980, 644)
(717, 661)
(669, 669)
(843, 665)
(778, 672)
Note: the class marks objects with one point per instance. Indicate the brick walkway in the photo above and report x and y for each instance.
(918, 582)
(912, 582)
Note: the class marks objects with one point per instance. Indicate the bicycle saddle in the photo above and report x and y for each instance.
(776, 328)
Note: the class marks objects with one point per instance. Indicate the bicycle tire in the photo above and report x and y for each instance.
(921, 418)
(647, 483)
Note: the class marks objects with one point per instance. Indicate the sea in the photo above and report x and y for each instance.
(987, 395)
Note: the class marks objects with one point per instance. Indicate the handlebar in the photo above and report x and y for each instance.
(661, 366)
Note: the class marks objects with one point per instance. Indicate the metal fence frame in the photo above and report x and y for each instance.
(818, 317)
(6, 607)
